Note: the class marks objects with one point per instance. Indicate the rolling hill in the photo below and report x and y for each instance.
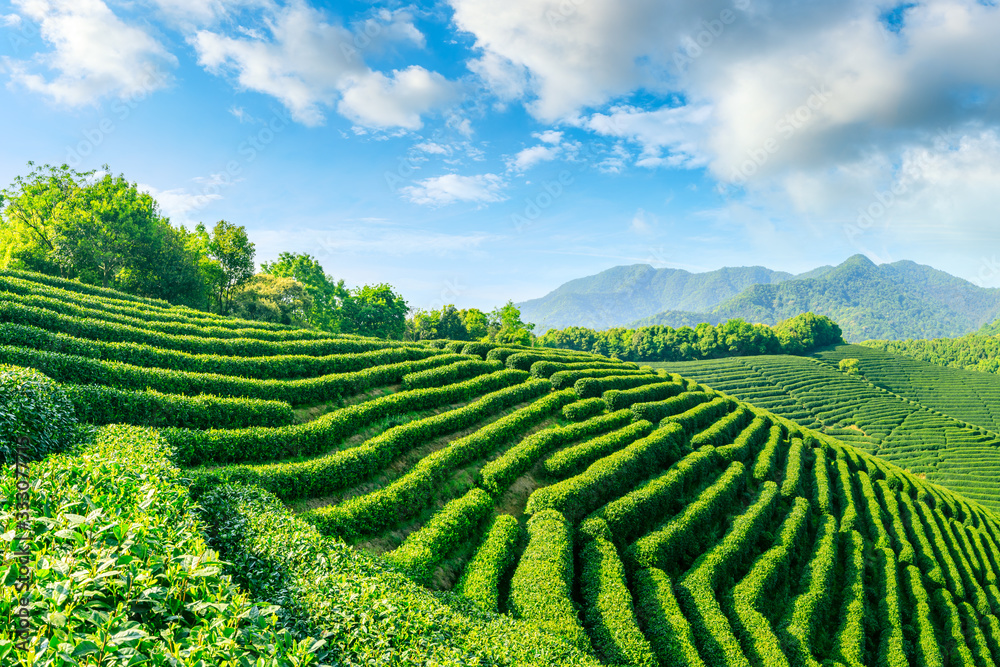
(937, 422)
(625, 293)
(888, 301)
(457, 505)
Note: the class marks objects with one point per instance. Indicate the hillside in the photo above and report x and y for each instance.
(888, 301)
(460, 505)
(936, 422)
(625, 293)
(974, 352)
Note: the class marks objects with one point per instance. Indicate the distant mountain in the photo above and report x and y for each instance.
(625, 293)
(888, 302)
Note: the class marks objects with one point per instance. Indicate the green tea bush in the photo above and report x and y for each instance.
(574, 460)
(602, 481)
(541, 588)
(662, 620)
(618, 399)
(422, 551)
(34, 406)
(98, 404)
(368, 613)
(609, 613)
(585, 409)
(493, 559)
(121, 572)
(497, 475)
(195, 447)
(275, 367)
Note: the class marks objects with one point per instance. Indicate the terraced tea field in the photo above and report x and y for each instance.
(934, 421)
(472, 505)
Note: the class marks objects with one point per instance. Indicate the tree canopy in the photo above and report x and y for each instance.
(797, 335)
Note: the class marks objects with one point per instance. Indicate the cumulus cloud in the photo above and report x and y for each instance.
(94, 54)
(310, 64)
(178, 203)
(792, 102)
(377, 100)
(452, 188)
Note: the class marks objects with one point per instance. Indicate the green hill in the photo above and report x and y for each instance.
(974, 352)
(625, 293)
(889, 301)
(455, 505)
(936, 422)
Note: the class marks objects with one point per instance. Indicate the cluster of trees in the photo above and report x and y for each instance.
(797, 335)
(102, 230)
(501, 325)
(973, 352)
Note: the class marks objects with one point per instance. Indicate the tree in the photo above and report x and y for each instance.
(375, 310)
(100, 230)
(475, 322)
(272, 298)
(327, 295)
(849, 366)
(505, 327)
(234, 252)
(36, 208)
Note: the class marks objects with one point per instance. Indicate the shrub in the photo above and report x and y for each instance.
(493, 559)
(578, 496)
(256, 445)
(576, 459)
(368, 613)
(659, 410)
(35, 407)
(422, 551)
(621, 399)
(609, 614)
(497, 475)
(387, 506)
(592, 387)
(121, 571)
(661, 618)
(106, 405)
(540, 590)
(585, 409)
(456, 372)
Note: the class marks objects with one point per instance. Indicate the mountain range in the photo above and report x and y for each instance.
(886, 301)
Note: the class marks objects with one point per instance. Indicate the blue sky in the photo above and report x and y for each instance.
(470, 151)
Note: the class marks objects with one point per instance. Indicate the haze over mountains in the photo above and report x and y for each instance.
(888, 301)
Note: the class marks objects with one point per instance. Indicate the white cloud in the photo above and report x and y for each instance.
(376, 100)
(94, 54)
(676, 130)
(310, 64)
(452, 188)
(805, 105)
(529, 157)
(642, 223)
(177, 203)
(203, 12)
(433, 148)
(549, 136)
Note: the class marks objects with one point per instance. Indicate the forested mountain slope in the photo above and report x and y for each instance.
(625, 293)
(888, 301)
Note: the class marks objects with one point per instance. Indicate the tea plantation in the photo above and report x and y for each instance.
(224, 492)
(937, 422)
